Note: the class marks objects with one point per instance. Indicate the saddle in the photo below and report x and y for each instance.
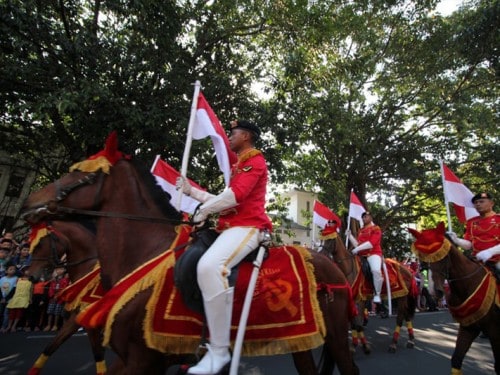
(185, 275)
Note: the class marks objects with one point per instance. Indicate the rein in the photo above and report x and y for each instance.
(53, 208)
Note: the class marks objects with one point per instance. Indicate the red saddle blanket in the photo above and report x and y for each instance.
(82, 292)
(363, 289)
(284, 316)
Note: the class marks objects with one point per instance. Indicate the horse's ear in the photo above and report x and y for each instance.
(440, 227)
(414, 232)
(111, 144)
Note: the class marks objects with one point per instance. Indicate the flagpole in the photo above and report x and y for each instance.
(446, 203)
(189, 137)
(348, 220)
(154, 163)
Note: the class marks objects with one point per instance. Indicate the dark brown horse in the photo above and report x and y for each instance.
(135, 223)
(75, 243)
(474, 295)
(335, 249)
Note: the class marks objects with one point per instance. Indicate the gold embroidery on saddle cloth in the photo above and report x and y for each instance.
(479, 302)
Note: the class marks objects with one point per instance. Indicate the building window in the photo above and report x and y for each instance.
(16, 183)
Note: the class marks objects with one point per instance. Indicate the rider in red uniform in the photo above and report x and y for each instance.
(368, 244)
(482, 233)
(242, 220)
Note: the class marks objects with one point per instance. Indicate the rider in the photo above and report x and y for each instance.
(368, 244)
(242, 219)
(482, 232)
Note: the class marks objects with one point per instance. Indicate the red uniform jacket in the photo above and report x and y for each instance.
(483, 233)
(249, 184)
(371, 233)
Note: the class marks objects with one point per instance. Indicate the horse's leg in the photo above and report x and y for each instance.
(399, 323)
(465, 337)
(410, 344)
(304, 363)
(67, 330)
(494, 337)
(95, 339)
(335, 312)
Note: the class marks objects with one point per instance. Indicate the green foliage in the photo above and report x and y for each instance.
(366, 95)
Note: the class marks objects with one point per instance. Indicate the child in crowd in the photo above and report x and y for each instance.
(20, 301)
(38, 306)
(55, 308)
(7, 287)
(23, 259)
(4, 260)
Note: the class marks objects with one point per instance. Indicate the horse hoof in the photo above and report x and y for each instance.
(392, 349)
(410, 344)
(367, 350)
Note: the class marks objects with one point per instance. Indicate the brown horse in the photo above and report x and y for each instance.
(135, 223)
(474, 295)
(77, 244)
(335, 249)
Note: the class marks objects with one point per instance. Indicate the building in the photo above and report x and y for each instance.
(304, 233)
(15, 183)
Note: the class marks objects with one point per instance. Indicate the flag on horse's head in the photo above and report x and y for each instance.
(457, 193)
(356, 209)
(166, 177)
(322, 215)
(207, 124)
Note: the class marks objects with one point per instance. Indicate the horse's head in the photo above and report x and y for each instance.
(47, 250)
(432, 246)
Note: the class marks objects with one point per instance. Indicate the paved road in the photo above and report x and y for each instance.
(435, 338)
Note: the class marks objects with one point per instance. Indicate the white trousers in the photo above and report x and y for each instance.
(230, 248)
(375, 262)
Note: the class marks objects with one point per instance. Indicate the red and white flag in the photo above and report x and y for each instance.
(356, 209)
(457, 193)
(207, 124)
(322, 214)
(166, 176)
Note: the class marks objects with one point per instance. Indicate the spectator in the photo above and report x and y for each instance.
(55, 308)
(38, 308)
(20, 301)
(4, 260)
(7, 287)
(23, 259)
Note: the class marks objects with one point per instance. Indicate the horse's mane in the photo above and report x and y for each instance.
(160, 196)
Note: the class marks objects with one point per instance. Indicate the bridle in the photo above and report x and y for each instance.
(350, 258)
(53, 258)
(53, 209)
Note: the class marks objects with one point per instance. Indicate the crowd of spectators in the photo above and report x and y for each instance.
(27, 304)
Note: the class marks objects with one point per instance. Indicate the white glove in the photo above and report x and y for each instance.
(485, 255)
(183, 184)
(364, 246)
(188, 189)
(220, 202)
(464, 244)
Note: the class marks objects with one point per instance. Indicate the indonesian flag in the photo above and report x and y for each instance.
(459, 195)
(207, 124)
(356, 209)
(322, 214)
(166, 176)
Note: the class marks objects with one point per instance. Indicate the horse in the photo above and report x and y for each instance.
(334, 248)
(77, 244)
(474, 295)
(135, 223)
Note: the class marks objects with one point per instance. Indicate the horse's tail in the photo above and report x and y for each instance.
(326, 363)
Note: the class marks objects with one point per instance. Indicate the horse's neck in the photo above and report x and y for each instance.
(125, 244)
(465, 275)
(346, 261)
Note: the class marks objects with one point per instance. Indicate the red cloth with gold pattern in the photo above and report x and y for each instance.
(249, 183)
(371, 233)
(483, 232)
